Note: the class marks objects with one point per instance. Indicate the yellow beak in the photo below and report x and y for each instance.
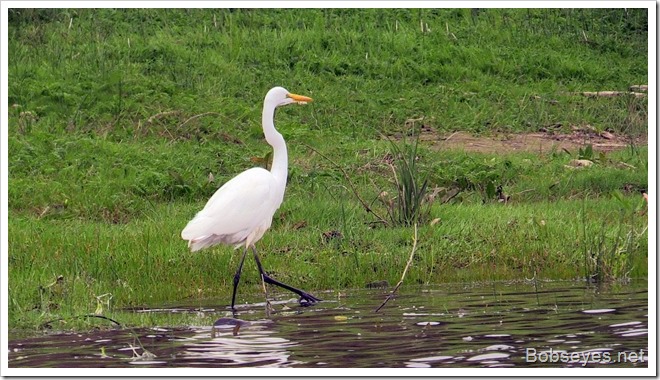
(299, 98)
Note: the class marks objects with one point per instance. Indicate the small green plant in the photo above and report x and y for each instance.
(627, 205)
(586, 153)
(608, 257)
(409, 206)
(485, 176)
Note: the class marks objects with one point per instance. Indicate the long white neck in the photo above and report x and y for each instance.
(279, 169)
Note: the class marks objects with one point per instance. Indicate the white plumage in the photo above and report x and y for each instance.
(222, 222)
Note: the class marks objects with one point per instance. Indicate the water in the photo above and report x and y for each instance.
(553, 324)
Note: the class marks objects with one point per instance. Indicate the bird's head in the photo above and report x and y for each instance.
(279, 96)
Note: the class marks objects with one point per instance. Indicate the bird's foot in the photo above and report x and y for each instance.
(307, 299)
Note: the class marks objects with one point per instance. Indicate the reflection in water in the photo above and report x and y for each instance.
(497, 325)
(255, 347)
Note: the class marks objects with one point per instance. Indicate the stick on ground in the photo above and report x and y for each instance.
(350, 184)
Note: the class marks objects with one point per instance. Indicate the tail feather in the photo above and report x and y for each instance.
(208, 241)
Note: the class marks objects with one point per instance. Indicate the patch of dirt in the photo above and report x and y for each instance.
(540, 142)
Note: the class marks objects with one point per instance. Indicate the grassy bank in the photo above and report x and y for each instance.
(118, 117)
(108, 72)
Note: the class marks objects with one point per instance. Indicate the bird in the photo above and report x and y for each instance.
(241, 210)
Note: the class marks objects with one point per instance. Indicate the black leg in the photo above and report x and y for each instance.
(306, 299)
(237, 278)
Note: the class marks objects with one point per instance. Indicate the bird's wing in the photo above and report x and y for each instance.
(244, 203)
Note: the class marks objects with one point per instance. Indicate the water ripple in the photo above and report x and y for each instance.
(499, 325)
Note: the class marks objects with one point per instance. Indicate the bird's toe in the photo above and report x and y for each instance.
(308, 300)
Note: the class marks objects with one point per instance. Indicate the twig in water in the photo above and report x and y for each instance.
(403, 275)
(357, 195)
(268, 306)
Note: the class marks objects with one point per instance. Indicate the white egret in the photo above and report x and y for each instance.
(240, 212)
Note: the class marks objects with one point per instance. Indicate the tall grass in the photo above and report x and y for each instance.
(609, 253)
(410, 205)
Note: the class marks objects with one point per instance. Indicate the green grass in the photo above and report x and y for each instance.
(107, 161)
(112, 70)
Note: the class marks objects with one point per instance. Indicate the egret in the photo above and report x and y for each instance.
(240, 212)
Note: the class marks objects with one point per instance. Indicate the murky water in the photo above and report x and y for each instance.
(553, 324)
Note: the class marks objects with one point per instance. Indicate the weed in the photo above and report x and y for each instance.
(607, 258)
(410, 205)
(476, 173)
(609, 254)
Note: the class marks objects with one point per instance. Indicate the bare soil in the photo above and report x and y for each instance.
(540, 142)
